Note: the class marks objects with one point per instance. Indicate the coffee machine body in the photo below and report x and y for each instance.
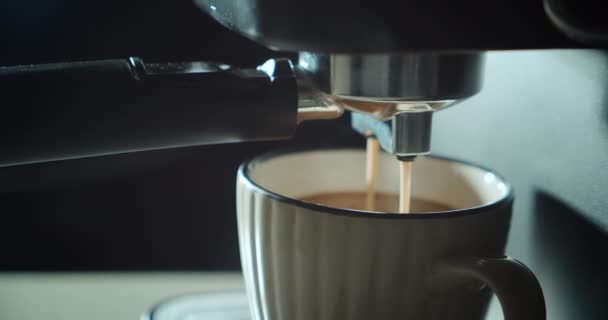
(396, 62)
(391, 62)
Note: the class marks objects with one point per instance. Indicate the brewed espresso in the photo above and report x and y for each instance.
(384, 202)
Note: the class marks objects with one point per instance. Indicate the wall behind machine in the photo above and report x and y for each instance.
(541, 120)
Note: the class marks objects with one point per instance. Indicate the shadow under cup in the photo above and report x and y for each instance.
(307, 261)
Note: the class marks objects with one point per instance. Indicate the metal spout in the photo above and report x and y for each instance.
(406, 134)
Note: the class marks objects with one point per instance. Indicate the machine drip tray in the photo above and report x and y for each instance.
(223, 305)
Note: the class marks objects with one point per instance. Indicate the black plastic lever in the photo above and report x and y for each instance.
(80, 109)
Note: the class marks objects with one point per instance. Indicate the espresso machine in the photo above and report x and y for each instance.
(392, 64)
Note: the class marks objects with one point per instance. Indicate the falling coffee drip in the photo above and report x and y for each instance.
(405, 186)
(371, 174)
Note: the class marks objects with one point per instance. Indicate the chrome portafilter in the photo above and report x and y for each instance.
(393, 96)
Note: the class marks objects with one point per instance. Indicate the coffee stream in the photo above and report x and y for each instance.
(405, 183)
(371, 173)
(371, 200)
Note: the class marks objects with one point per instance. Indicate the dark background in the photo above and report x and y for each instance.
(41, 31)
(159, 210)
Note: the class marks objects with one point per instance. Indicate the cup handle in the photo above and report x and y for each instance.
(516, 287)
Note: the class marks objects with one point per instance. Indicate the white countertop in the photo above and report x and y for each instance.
(97, 296)
(107, 296)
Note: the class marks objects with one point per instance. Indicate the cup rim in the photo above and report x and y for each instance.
(243, 175)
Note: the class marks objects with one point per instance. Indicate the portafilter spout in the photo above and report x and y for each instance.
(393, 96)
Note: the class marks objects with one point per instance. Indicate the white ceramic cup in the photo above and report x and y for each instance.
(308, 261)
